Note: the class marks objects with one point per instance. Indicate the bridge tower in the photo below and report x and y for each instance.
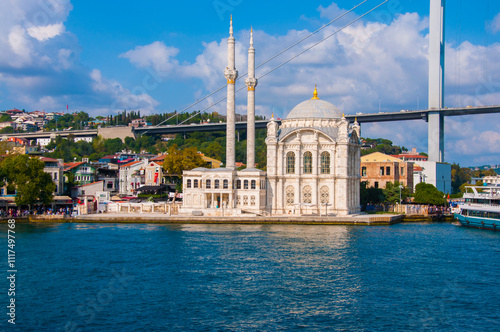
(436, 81)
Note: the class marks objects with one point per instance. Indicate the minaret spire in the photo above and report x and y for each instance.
(231, 26)
(231, 75)
(251, 83)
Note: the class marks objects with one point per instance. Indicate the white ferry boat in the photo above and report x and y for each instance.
(481, 208)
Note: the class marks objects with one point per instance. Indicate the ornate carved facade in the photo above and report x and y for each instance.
(313, 161)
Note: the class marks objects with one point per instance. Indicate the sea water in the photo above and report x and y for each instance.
(149, 277)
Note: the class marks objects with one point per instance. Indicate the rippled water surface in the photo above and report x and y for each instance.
(116, 277)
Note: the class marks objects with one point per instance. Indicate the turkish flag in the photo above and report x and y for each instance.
(156, 177)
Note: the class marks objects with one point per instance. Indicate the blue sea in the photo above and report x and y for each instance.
(148, 277)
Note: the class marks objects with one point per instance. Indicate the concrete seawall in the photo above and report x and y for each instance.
(295, 220)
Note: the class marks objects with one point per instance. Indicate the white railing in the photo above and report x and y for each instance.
(164, 208)
(486, 207)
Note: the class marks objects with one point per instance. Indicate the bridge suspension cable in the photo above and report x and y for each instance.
(266, 61)
(290, 59)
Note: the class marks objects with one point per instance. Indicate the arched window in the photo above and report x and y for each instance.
(189, 183)
(225, 184)
(308, 157)
(290, 195)
(216, 184)
(245, 184)
(253, 184)
(245, 200)
(325, 162)
(307, 193)
(290, 163)
(208, 184)
(252, 200)
(325, 195)
(195, 183)
(238, 184)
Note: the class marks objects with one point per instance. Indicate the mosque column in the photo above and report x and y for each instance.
(315, 172)
(251, 83)
(231, 74)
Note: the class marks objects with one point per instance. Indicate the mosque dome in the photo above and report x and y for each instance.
(314, 108)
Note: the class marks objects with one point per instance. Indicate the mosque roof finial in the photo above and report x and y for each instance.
(315, 94)
(231, 26)
(251, 36)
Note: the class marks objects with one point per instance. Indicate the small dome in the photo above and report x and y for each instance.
(314, 108)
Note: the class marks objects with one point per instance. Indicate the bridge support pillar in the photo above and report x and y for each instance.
(436, 81)
(436, 136)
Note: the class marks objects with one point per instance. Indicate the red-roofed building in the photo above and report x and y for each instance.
(14, 111)
(132, 176)
(82, 171)
(154, 173)
(412, 155)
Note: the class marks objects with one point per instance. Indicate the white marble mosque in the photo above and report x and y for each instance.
(313, 161)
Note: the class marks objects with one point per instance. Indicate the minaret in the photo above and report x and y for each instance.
(251, 83)
(231, 74)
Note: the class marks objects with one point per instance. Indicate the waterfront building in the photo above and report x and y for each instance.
(436, 173)
(82, 171)
(412, 155)
(491, 180)
(132, 176)
(55, 168)
(313, 161)
(377, 169)
(154, 173)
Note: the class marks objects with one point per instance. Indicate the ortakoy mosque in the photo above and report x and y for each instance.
(313, 161)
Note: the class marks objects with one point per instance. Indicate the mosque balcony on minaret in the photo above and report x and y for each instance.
(251, 83)
(231, 75)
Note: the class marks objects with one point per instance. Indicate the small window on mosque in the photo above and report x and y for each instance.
(216, 184)
(208, 184)
(253, 184)
(225, 184)
(308, 162)
(245, 184)
(195, 183)
(325, 163)
(238, 184)
(188, 184)
(290, 163)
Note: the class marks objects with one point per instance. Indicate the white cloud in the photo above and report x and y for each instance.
(155, 55)
(366, 63)
(121, 98)
(43, 33)
(495, 24)
(19, 45)
(40, 71)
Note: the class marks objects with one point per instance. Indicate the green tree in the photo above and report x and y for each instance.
(177, 160)
(426, 193)
(31, 182)
(391, 192)
(459, 176)
(370, 195)
(7, 130)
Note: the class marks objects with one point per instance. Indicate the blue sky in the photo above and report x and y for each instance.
(105, 56)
